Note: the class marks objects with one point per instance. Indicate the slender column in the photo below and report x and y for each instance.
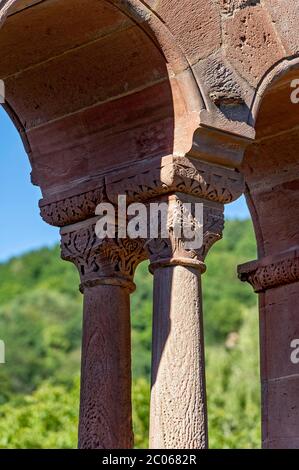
(106, 269)
(106, 369)
(178, 397)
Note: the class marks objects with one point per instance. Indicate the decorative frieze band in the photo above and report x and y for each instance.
(272, 271)
(72, 209)
(146, 180)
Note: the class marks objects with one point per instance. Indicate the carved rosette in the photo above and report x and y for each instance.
(271, 272)
(108, 261)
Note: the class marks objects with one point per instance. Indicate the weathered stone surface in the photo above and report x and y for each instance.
(178, 396)
(195, 25)
(285, 16)
(140, 126)
(77, 79)
(281, 412)
(251, 43)
(105, 405)
(272, 179)
(228, 7)
(178, 402)
(75, 27)
(224, 87)
(106, 270)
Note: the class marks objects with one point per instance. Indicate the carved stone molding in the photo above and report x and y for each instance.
(72, 209)
(272, 271)
(175, 174)
(143, 181)
(175, 250)
(109, 261)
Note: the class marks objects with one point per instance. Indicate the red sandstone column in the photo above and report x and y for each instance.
(106, 270)
(178, 417)
(178, 397)
(105, 405)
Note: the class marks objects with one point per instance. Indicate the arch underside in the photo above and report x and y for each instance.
(97, 85)
(87, 88)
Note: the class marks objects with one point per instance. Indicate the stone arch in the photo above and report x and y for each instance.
(80, 125)
(160, 60)
(279, 71)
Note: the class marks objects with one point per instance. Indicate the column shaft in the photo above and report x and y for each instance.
(178, 398)
(105, 409)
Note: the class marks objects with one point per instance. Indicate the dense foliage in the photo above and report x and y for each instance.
(40, 322)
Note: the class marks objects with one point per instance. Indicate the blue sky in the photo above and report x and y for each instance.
(22, 228)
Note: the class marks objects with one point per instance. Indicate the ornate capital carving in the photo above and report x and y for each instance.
(68, 210)
(109, 261)
(175, 174)
(175, 250)
(271, 271)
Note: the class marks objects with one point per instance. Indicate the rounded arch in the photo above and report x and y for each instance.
(280, 71)
(270, 163)
(49, 77)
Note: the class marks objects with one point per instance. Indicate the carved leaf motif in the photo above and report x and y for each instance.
(275, 274)
(96, 258)
(73, 209)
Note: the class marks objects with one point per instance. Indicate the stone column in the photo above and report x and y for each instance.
(178, 416)
(207, 174)
(276, 279)
(106, 270)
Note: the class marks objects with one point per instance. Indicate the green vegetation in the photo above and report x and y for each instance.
(40, 322)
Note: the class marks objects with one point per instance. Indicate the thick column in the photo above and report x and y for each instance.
(106, 269)
(276, 279)
(178, 397)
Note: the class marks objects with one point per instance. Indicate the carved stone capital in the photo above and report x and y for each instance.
(271, 271)
(176, 250)
(171, 174)
(108, 261)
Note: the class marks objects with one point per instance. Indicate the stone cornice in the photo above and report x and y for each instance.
(271, 271)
